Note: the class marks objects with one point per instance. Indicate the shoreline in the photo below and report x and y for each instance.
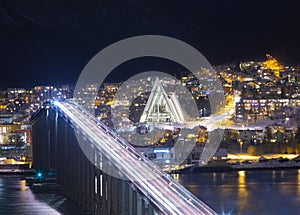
(275, 165)
(235, 168)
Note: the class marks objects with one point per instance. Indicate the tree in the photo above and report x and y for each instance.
(251, 150)
(289, 150)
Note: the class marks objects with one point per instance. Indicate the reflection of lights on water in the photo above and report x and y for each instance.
(242, 182)
(242, 191)
(23, 185)
(298, 181)
(214, 176)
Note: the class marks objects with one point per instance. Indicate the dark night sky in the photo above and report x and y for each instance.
(49, 42)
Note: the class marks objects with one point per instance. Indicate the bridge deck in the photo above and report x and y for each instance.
(161, 190)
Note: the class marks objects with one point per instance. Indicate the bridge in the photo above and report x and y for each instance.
(89, 182)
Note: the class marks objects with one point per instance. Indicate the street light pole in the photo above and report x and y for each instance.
(241, 145)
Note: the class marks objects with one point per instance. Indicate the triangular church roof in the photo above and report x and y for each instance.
(160, 107)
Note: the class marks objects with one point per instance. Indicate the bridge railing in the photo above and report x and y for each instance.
(164, 192)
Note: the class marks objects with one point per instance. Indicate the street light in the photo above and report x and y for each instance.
(241, 145)
(248, 118)
(287, 121)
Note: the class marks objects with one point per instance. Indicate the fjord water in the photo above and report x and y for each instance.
(245, 192)
(267, 192)
(17, 198)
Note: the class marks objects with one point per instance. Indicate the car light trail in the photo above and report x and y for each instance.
(165, 193)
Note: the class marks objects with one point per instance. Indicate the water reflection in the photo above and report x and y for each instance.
(273, 174)
(214, 176)
(17, 198)
(247, 192)
(242, 191)
(298, 184)
(23, 185)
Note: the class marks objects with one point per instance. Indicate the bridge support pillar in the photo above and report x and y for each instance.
(55, 147)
